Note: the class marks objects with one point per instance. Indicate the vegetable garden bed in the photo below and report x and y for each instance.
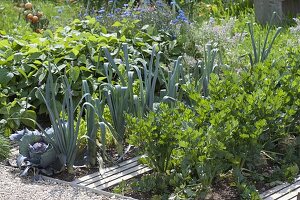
(210, 97)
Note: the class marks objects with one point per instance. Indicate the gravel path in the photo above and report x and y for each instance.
(13, 187)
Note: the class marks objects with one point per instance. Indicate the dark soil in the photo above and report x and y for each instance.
(84, 171)
(44, 120)
(129, 192)
(221, 190)
(78, 173)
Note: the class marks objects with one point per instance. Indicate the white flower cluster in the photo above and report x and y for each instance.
(296, 29)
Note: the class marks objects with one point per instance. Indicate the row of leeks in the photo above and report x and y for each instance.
(120, 98)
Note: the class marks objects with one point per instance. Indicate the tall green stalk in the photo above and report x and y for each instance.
(65, 134)
(91, 128)
(173, 80)
(260, 55)
(93, 125)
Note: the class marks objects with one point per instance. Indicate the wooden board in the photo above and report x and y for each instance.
(276, 189)
(291, 195)
(106, 170)
(113, 175)
(285, 191)
(123, 178)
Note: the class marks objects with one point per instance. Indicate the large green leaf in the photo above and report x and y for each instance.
(74, 73)
(5, 76)
(28, 117)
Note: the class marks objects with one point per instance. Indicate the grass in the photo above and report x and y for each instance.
(4, 148)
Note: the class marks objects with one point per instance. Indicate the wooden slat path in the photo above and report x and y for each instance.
(113, 175)
(286, 191)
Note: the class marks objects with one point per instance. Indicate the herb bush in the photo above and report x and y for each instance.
(158, 134)
(159, 17)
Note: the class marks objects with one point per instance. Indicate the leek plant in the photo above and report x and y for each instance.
(65, 128)
(143, 101)
(173, 80)
(148, 82)
(260, 55)
(197, 77)
(117, 100)
(120, 97)
(117, 97)
(96, 108)
(114, 66)
(208, 66)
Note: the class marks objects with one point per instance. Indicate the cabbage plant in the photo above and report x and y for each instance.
(36, 151)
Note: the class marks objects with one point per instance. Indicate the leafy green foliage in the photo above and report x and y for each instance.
(148, 184)
(158, 133)
(245, 114)
(221, 8)
(290, 172)
(15, 114)
(176, 149)
(4, 148)
(74, 50)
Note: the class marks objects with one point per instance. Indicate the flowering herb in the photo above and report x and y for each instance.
(101, 11)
